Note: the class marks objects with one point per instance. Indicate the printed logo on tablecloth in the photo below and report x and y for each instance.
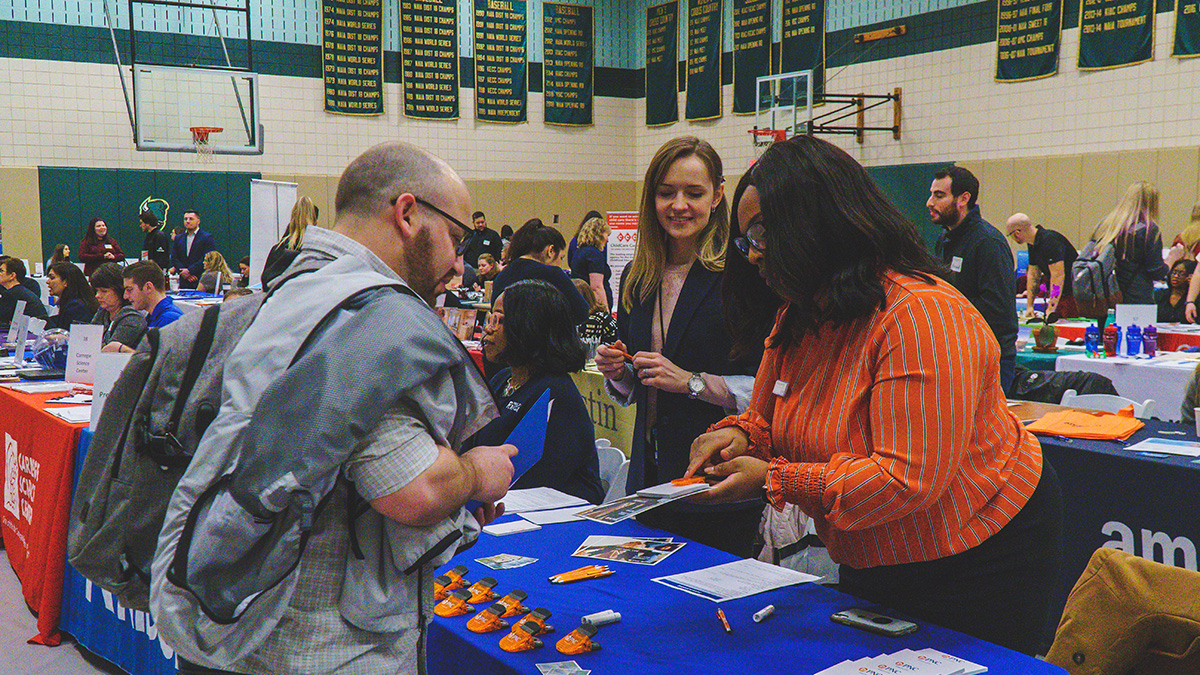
(12, 498)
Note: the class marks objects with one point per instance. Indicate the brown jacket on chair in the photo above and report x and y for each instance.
(1129, 615)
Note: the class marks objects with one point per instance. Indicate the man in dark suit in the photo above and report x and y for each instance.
(189, 249)
(11, 290)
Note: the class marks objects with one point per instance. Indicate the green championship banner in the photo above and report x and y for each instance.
(567, 64)
(1027, 39)
(662, 64)
(500, 61)
(703, 60)
(352, 56)
(429, 58)
(1187, 28)
(751, 50)
(1115, 33)
(802, 41)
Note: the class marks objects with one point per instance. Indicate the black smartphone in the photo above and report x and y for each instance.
(873, 622)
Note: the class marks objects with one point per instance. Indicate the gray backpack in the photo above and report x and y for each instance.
(1094, 280)
(152, 422)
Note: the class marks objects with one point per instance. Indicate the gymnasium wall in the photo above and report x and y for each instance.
(1061, 149)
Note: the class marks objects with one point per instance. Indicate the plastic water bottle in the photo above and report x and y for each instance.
(1112, 339)
(1111, 319)
(1133, 341)
(1091, 341)
(1150, 340)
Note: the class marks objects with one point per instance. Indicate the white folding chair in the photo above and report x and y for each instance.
(616, 489)
(610, 461)
(1106, 403)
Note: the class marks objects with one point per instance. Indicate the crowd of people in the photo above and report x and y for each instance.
(793, 341)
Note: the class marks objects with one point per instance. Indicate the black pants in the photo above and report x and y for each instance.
(999, 591)
(732, 531)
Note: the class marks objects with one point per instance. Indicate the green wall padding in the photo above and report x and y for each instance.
(907, 185)
(71, 197)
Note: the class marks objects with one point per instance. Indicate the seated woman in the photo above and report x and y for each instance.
(600, 326)
(74, 297)
(1171, 301)
(124, 326)
(535, 250)
(531, 332)
(217, 275)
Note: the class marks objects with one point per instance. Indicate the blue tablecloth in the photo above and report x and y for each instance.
(668, 631)
(1144, 505)
(101, 625)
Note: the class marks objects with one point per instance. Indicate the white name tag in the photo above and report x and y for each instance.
(956, 264)
(108, 246)
(781, 388)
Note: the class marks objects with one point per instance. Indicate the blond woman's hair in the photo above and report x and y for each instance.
(594, 232)
(215, 262)
(304, 214)
(650, 257)
(1139, 204)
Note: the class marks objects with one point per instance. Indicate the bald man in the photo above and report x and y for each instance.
(362, 603)
(1050, 259)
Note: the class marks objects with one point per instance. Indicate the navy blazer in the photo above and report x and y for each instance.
(194, 260)
(697, 340)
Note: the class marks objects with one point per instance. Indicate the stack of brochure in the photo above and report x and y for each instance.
(921, 662)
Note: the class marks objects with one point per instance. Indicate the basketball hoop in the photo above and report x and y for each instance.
(204, 151)
(765, 137)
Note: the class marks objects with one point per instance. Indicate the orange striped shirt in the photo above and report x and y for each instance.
(893, 432)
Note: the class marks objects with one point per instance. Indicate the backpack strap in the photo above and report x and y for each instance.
(152, 340)
(165, 448)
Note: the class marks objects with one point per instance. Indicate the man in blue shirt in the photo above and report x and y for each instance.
(145, 289)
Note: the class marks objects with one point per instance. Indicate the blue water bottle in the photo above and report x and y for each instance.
(1091, 341)
(1150, 340)
(1133, 340)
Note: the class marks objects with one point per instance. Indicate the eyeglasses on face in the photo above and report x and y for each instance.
(461, 248)
(756, 238)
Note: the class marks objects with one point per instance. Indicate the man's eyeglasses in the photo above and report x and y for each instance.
(756, 238)
(461, 248)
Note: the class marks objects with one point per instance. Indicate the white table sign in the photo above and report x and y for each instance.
(82, 348)
(108, 368)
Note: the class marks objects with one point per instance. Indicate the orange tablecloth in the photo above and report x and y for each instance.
(39, 461)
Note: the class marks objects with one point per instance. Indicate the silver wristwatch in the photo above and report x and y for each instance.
(696, 385)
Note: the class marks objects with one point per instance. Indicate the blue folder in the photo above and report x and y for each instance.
(530, 438)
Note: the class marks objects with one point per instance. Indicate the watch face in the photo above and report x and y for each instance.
(696, 384)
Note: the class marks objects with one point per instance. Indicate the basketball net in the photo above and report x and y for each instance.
(204, 153)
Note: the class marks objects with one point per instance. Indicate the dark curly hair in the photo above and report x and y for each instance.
(538, 330)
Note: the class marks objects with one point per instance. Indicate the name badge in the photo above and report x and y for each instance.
(108, 246)
(781, 388)
(956, 264)
(514, 406)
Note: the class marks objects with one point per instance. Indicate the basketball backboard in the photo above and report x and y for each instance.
(783, 104)
(170, 101)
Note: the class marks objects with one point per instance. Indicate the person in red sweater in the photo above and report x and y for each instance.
(878, 410)
(98, 248)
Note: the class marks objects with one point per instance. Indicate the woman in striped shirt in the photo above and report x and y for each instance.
(878, 409)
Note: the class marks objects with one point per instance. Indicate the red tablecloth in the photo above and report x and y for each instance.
(478, 356)
(1168, 340)
(39, 460)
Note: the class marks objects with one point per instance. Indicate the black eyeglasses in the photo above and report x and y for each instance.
(755, 238)
(461, 248)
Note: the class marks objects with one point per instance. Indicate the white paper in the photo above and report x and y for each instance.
(538, 499)
(19, 333)
(554, 515)
(967, 667)
(76, 414)
(39, 387)
(734, 580)
(37, 269)
(1167, 446)
(108, 368)
(18, 312)
(82, 347)
(500, 529)
(36, 327)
